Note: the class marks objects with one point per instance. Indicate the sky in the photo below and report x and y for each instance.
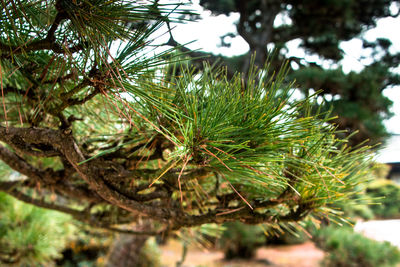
(205, 35)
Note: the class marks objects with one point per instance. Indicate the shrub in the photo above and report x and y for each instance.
(380, 197)
(241, 240)
(150, 254)
(287, 238)
(387, 194)
(29, 234)
(357, 211)
(347, 248)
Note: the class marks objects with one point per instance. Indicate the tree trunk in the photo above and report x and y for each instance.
(126, 250)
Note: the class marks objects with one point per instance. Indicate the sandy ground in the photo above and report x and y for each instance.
(383, 230)
(304, 255)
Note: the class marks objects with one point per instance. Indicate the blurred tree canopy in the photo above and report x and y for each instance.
(24, 234)
(320, 27)
(99, 123)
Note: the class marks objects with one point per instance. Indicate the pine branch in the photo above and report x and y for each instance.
(20, 165)
(8, 188)
(80, 215)
(88, 171)
(48, 43)
(132, 204)
(43, 44)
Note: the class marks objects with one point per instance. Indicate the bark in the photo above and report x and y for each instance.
(258, 38)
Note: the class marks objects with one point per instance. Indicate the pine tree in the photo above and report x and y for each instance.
(24, 234)
(100, 124)
(320, 28)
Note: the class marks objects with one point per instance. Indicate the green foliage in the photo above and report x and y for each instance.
(356, 98)
(6, 172)
(345, 248)
(363, 211)
(361, 207)
(256, 138)
(380, 171)
(321, 27)
(295, 236)
(203, 236)
(372, 197)
(387, 195)
(31, 235)
(150, 255)
(241, 240)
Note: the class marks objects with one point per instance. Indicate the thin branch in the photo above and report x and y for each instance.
(76, 101)
(57, 21)
(81, 215)
(48, 177)
(9, 189)
(132, 232)
(43, 44)
(20, 165)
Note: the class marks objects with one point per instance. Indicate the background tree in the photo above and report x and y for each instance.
(25, 235)
(320, 27)
(96, 124)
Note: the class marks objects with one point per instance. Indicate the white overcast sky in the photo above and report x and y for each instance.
(206, 36)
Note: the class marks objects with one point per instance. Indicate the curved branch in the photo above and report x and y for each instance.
(20, 165)
(132, 232)
(88, 171)
(80, 215)
(48, 177)
(9, 188)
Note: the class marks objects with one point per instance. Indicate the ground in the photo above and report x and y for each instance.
(381, 230)
(303, 255)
